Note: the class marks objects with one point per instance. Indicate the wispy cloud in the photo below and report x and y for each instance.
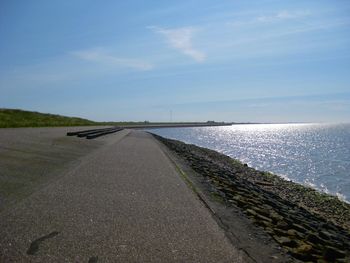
(272, 17)
(181, 39)
(282, 15)
(343, 97)
(103, 57)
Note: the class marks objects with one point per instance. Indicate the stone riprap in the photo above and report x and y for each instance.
(309, 225)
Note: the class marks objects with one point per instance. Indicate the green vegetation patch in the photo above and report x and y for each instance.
(13, 118)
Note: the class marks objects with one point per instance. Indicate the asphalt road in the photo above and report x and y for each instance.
(124, 202)
(31, 157)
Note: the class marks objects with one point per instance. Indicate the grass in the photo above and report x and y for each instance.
(12, 118)
(15, 118)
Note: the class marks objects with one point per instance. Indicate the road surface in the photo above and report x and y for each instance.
(124, 202)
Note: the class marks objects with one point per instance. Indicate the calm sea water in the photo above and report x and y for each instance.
(317, 155)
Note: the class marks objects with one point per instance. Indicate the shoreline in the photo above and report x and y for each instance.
(313, 155)
(309, 225)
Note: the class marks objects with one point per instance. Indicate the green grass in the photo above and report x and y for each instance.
(11, 118)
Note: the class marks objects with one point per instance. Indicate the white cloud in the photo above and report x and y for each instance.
(100, 56)
(181, 39)
(282, 15)
(270, 18)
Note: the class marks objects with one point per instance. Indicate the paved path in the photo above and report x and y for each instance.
(123, 203)
(31, 157)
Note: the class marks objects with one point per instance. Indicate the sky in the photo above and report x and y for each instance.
(240, 61)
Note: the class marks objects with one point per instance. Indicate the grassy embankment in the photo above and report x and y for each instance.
(15, 118)
(12, 118)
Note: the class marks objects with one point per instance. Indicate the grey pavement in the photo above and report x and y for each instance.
(31, 157)
(124, 202)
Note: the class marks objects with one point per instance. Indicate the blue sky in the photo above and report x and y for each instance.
(265, 61)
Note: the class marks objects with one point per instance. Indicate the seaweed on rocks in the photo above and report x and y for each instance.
(310, 225)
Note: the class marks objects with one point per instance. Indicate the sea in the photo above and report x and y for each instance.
(315, 155)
